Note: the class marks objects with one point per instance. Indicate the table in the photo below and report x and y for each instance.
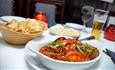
(12, 56)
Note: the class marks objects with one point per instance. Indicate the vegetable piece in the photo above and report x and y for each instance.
(74, 56)
(70, 47)
(71, 41)
(48, 52)
(56, 44)
(89, 47)
(60, 39)
(80, 50)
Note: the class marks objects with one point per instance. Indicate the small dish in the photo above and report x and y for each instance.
(31, 60)
(60, 30)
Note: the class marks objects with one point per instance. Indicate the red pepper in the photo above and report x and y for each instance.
(74, 56)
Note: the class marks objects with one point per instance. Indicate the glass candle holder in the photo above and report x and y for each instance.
(41, 16)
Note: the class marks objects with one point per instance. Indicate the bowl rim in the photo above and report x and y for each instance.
(66, 62)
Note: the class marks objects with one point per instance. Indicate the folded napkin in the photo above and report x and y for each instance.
(111, 54)
(74, 25)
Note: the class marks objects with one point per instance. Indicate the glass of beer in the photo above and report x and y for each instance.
(100, 17)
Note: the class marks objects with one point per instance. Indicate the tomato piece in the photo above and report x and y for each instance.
(60, 39)
(74, 56)
(48, 52)
(71, 41)
(51, 55)
(44, 49)
(60, 50)
(58, 57)
(70, 47)
(68, 41)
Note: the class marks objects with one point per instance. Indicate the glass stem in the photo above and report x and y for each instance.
(84, 26)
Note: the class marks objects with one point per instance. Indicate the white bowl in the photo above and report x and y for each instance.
(57, 64)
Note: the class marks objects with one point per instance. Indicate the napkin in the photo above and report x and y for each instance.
(111, 54)
(74, 25)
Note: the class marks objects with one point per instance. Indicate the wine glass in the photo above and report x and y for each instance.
(87, 13)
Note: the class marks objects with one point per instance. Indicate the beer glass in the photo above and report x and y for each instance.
(100, 17)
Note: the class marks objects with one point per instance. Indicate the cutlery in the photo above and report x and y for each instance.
(110, 53)
(87, 38)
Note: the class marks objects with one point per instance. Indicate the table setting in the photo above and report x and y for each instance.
(22, 57)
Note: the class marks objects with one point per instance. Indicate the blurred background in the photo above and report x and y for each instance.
(62, 11)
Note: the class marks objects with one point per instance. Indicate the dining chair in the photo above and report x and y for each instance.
(59, 3)
(6, 7)
(49, 10)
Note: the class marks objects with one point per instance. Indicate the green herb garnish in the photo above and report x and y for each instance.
(89, 46)
(56, 44)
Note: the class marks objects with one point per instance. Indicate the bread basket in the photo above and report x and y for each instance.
(18, 38)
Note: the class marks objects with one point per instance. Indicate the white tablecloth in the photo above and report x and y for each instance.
(12, 56)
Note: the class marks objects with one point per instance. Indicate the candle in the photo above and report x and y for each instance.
(40, 16)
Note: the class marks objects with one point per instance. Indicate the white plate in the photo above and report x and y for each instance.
(9, 18)
(104, 64)
(61, 30)
(32, 62)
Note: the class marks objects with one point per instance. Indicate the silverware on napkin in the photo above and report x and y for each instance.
(110, 53)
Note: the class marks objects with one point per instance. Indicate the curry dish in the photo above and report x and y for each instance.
(70, 49)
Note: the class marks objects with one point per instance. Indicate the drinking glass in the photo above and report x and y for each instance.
(87, 13)
(100, 18)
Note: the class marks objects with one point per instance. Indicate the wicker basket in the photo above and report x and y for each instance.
(18, 38)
